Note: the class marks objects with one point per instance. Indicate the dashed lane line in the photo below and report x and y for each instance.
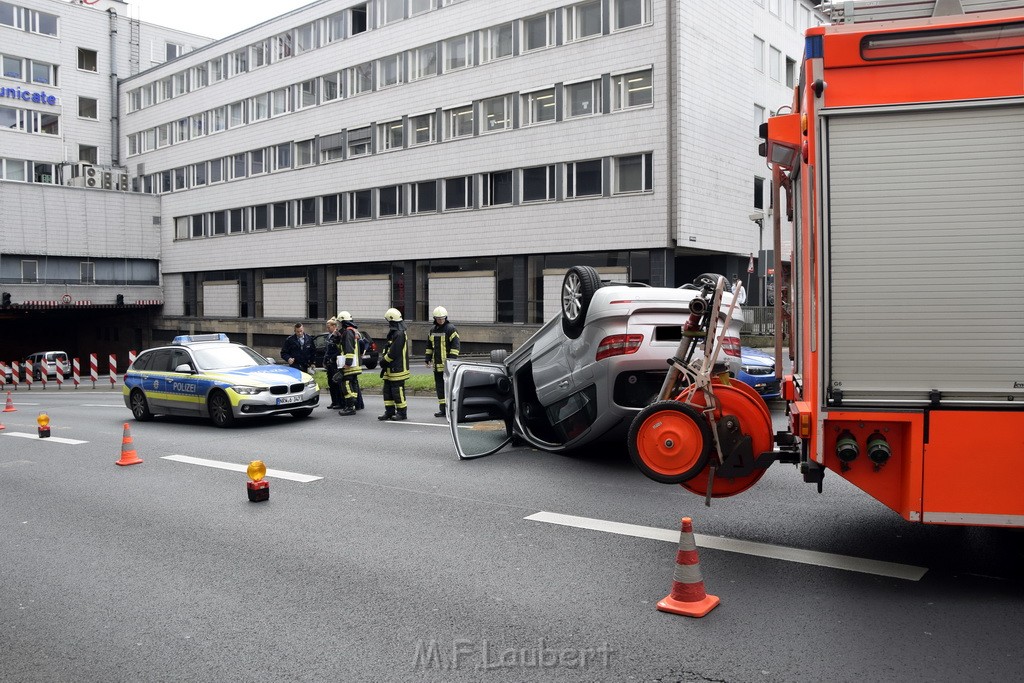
(49, 439)
(777, 552)
(279, 474)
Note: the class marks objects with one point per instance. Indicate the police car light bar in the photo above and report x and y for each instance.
(189, 338)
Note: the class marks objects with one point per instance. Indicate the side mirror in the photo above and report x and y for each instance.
(184, 367)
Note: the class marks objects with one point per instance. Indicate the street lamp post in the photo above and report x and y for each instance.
(758, 217)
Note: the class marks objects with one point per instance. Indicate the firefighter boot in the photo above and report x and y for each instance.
(440, 411)
(401, 415)
(389, 412)
(350, 407)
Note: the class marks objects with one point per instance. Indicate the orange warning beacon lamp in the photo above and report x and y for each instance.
(257, 487)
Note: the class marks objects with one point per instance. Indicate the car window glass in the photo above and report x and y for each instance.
(161, 361)
(142, 362)
(179, 357)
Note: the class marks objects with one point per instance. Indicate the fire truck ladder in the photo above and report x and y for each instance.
(858, 11)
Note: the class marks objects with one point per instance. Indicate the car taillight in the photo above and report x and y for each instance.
(619, 345)
(731, 346)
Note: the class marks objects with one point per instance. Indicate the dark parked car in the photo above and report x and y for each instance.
(368, 348)
(757, 369)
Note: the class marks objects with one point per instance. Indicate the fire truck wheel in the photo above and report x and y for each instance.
(669, 442)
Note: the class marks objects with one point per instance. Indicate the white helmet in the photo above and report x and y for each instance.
(440, 312)
(345, 315)
(393, 315)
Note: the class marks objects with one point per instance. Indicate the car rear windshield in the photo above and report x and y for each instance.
(227, 357)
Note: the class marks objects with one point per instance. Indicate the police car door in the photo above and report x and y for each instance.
(184, 387)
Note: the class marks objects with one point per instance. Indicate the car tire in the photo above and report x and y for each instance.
(708, 279)
(139, 406)
(578, 287)
(669, 441)
(499, 355)
(220, 409)
(302, 414)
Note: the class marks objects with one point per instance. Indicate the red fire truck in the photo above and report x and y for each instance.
(901, 166)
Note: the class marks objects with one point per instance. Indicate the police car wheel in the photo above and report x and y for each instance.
(300, 414)
(140, 407)
(220, 409)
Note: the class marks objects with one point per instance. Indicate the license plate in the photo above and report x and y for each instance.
(289, 399)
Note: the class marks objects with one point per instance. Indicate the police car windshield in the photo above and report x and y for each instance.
(227, 357)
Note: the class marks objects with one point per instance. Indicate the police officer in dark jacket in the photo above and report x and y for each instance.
(442, 344)
(394, 364)
(298, 349)
(331, 353)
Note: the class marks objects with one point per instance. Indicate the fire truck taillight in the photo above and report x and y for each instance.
(619, 345)
(878, 449)
(731, 346)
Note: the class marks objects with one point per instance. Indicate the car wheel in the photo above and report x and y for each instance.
(669, 441)
(499, 355)
(302, 414)
(140, 406)
(220, 409)
(707, 280)
(578, 287)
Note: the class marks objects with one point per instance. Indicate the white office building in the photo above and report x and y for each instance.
(410, 153)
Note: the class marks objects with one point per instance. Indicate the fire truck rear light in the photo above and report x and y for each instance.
(619, 345)
(731, 346)
(804, 425)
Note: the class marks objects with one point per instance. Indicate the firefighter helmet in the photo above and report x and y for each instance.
(393, 315)
(440, 312)
(345, 315)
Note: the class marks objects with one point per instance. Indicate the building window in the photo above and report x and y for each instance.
(13, 68)
(259, 54)
(583, 20)
(87, 108)
(198, 225)
(758, 54)
(198, 125)
(236, 114)
(496, 113)
(43, 73)
(173, 50)
(360, 205)
(420, 6)
(47, 124)
(218, 119)
(305, 38)
(538, 184)
(44, 23)
(43, 173)
(282, 46)
(496, 42)
(181, 227)
(424, 197)
(389, 201)
(422, 128)
(392, 135)
(389, 70)
(359, 142)
(164, 89)
(634, 173)
(260, 217)
(773, 7)
(219, 223)
(458, 193)
(583, 99)
(240, 61)
(497, 188)
(283, 156)
(180, 83)
(87, 60)
(12, 16)
(87, 272)
(149, 140)
(458, 52)
(180, 178)
(303, 153)
(29, 272)
(391, 11)
(775, 63)
(216, 171)
(583, 179)
(281, 102)
(239, 166)
(200, 77)
(14, 169)
(628, 13)
(330, 87)
(333, 27)
(459, 122)
(307, 94)
(538, 32)
(307, 211)
(424, 61)
(260, 107)
(790, 72)
(199, 175)
(218, 69)
(88, 153)
(332, 147)
(361, 78)
(540, 106)
(631, 90)
(280, 214)
(330, 208)
(357, 19)
(236, 221)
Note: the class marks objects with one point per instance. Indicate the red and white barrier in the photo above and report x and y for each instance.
(94, 369)
(28, 374)
(76, 376)
(3, 374)
(113, 370)
(132, 355)
(15, 371)
(59, 376)
(44, 372)
(23, 372)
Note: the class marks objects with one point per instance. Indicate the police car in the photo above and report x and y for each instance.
(208, 376)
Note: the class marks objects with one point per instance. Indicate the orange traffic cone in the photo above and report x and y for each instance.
(9, 408)
(688, 597)
(128, 456)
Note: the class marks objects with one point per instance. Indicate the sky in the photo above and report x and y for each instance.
(210, 18)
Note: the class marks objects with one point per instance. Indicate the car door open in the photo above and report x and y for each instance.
(482, 406)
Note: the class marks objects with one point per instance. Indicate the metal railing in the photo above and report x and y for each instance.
(758, 320)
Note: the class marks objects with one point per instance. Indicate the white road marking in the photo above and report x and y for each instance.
(777, 552)
(53, 439)
(419, 424)
(279, 474)
(103, 405)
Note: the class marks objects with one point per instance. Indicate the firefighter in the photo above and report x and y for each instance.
(331, 352)
(352, 362)
(394, 363)
(442, 344)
